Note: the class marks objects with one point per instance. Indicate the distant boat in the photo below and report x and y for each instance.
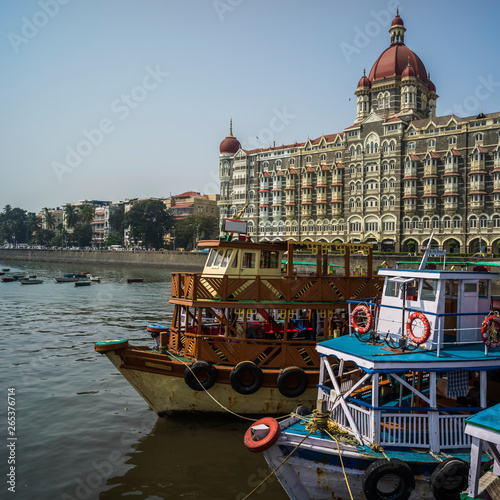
(8, 279)
(81, 275)
(19, 276)
(135, 280)
(66, 280)
(30, 282)
(6, 269)
(31, 276)
(93, 278)
(72, 275)
(2, 273)
(82, 283)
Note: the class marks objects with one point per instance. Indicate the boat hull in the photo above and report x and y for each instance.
(163, 387)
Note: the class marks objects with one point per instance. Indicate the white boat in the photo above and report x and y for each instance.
(93, 278)
(394, 394)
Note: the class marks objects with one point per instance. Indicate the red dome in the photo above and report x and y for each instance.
(393, 61)
(397, 21)
(408, 72)
(364, 82)
(229, 145)
(431, 86)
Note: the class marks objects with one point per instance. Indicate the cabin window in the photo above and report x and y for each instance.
(470, 287)
(429, 290)
(248, 260)
(218, 259)
(225, 261)
(268, 259)
(211, 257)
(451, 288)
(392, 289)
(235, 261)
(483, 289)
(412, 290)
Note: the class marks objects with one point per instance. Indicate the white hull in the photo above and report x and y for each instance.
(167, 393)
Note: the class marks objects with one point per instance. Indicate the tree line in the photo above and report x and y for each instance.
(148, 222)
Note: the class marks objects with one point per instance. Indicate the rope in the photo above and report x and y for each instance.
(206, 390)
(272, 472)
(341, 462)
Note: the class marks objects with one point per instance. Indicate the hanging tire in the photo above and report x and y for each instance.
(246, 378)
(358, 310)
(302, 410)
(110, 345)
(252, 441)
(292, 382)
(449, 479)
(376, 471)
(427, 328)
(205, 372)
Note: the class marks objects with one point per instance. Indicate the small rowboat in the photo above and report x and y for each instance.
(8, 279)
(72, 275)
(135, 280)
(82, 283)
(30, 282)
(1, 273)
(19, 277)
(6, 269)
(93, 278)
(66, 280)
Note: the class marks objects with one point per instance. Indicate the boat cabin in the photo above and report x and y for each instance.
(454, 303)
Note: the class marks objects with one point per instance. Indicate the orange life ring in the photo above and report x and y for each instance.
(427, 328)
(485, 334)
(260, 445)
(369, 318)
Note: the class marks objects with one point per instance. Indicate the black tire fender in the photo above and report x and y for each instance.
(439, 482)
(205, 372)
(246, 369)
(292, 382)
(380, 468)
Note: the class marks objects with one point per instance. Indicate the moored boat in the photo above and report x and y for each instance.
(8, 279)
(66, 280)
(93, 278)
(245, 329)
(30, 281)
(395, 394)
(82, 283)
(5, 269)
(135, 280)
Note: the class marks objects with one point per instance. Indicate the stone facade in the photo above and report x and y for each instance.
(396, 176)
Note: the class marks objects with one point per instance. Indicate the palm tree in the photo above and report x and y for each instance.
(71, 215)
(33, 225)
(49, 219)
(87, 214)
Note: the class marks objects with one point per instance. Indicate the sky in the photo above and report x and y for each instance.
(116, 99)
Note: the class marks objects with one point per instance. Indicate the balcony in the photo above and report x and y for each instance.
(431, 189)
(410, 191)
(411, 171)
(430, 170)
(337, 179)
(321, 210)
(478, 164)
(477, 185)
(450, 207)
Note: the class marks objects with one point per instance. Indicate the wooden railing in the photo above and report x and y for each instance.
(231, 351)
(194, 286)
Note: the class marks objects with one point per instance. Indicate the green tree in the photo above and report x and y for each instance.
(195, 228)
(33, 225)
(43, 236)
(71, 215)
(82, 235)
(87, 214)
(149, 221)
(114, 238)
(13, 225)
(49, 219)
(116, 219)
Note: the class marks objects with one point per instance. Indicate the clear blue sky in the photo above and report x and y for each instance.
(161, 78)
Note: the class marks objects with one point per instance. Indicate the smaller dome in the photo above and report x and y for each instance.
(364, 82)
(397, 21)
(408, 71)
(430, 85)
(230, 144)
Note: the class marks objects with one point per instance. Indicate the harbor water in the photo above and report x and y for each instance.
(73, 428)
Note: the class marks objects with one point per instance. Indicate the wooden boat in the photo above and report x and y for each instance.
(5, 269)
(135, 280)
(66, 280)
(82, 283)
(484, 431)
(8, 279)
(245, 329)
(395, 394)
(30, 281)
(157, 328)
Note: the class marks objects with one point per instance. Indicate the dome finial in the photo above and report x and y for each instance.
(364, 71)
(397, 12)
(230, 128)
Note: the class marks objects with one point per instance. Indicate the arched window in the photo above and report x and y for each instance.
(308, 159)
(323, 157)
(292, 161)
(392, 146)
(478, 137)
(431, 143)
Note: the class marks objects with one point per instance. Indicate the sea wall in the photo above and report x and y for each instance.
(195, 261)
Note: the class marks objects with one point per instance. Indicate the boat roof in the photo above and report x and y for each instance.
(379, 358)
(242, 244)
(487, 419)
(438, 273)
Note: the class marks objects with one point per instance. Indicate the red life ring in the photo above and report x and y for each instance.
(369, 318)
(258, 446)
(427, 328)
(485, 334)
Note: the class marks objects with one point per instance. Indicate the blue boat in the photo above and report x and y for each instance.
(71, 275)
(82, 283)
(395, 394)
